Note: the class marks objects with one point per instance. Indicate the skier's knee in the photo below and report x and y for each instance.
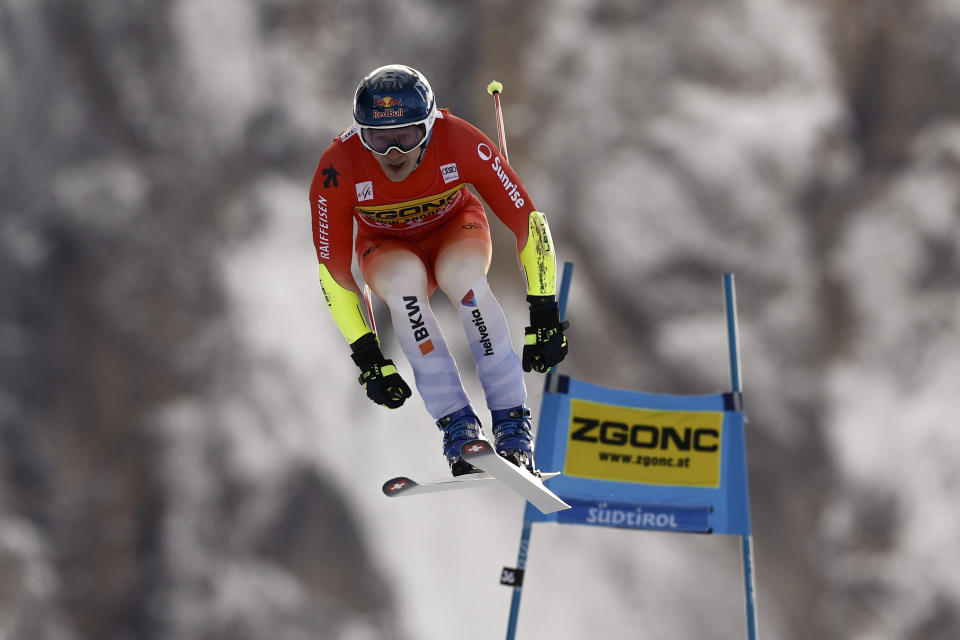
(458, 271)
(397, 273)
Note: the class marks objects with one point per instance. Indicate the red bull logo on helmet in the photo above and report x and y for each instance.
(387, 107)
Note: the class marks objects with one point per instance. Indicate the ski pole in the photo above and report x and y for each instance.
(368, 301)
(494, 89)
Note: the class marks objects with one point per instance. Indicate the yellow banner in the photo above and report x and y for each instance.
(625, 444)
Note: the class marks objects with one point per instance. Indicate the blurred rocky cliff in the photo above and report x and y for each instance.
(810, 147)
(122, 514)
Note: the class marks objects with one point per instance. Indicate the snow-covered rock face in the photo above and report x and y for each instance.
(187, 453)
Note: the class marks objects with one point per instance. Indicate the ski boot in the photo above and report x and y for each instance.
(511, 428)
(459, 428)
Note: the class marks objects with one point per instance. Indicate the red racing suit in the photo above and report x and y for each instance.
(349, 186)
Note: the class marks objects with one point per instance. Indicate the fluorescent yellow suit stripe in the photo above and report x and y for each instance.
(537, 258)
(344, 306)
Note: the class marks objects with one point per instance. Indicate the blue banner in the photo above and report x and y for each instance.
(633, 516)
(644, 461)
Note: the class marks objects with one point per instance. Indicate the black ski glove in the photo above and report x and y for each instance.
(378, 375)
(544, 343)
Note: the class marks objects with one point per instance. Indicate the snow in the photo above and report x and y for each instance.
(705, 172)
(225, 73)
(668, 143)
(443, 551)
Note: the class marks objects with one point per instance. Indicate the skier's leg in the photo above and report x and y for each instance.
(498, 366)
(460, 269)
(398, 275)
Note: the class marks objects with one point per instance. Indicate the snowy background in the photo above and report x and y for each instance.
(184, 450)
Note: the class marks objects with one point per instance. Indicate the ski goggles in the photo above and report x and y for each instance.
(404, 139)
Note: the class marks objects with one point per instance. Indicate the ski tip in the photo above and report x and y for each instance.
(393, 486)
(560, 505)
(475, 448)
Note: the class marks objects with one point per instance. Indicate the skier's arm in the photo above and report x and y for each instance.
(545, 344)
(332, 213)
(344, 305)
(332, 216)
(537, 258)
(379, 376)
(498, 185)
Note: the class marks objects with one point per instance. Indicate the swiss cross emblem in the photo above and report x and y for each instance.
(396, 486)
(476, 448)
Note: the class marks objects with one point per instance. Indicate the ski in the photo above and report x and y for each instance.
(402, 485)
(483, 455)
(406, 486)
(497, 471)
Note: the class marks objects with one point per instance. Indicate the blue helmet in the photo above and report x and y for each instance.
(394, 96)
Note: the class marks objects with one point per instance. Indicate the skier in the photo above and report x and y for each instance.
(401, 173)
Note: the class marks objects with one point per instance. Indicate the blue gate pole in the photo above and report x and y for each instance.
(518, 589)
(527, 526)
(746, 542)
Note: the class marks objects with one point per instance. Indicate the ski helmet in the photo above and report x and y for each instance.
(394, 97)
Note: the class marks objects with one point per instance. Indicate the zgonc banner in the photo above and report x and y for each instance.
(644, 461)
